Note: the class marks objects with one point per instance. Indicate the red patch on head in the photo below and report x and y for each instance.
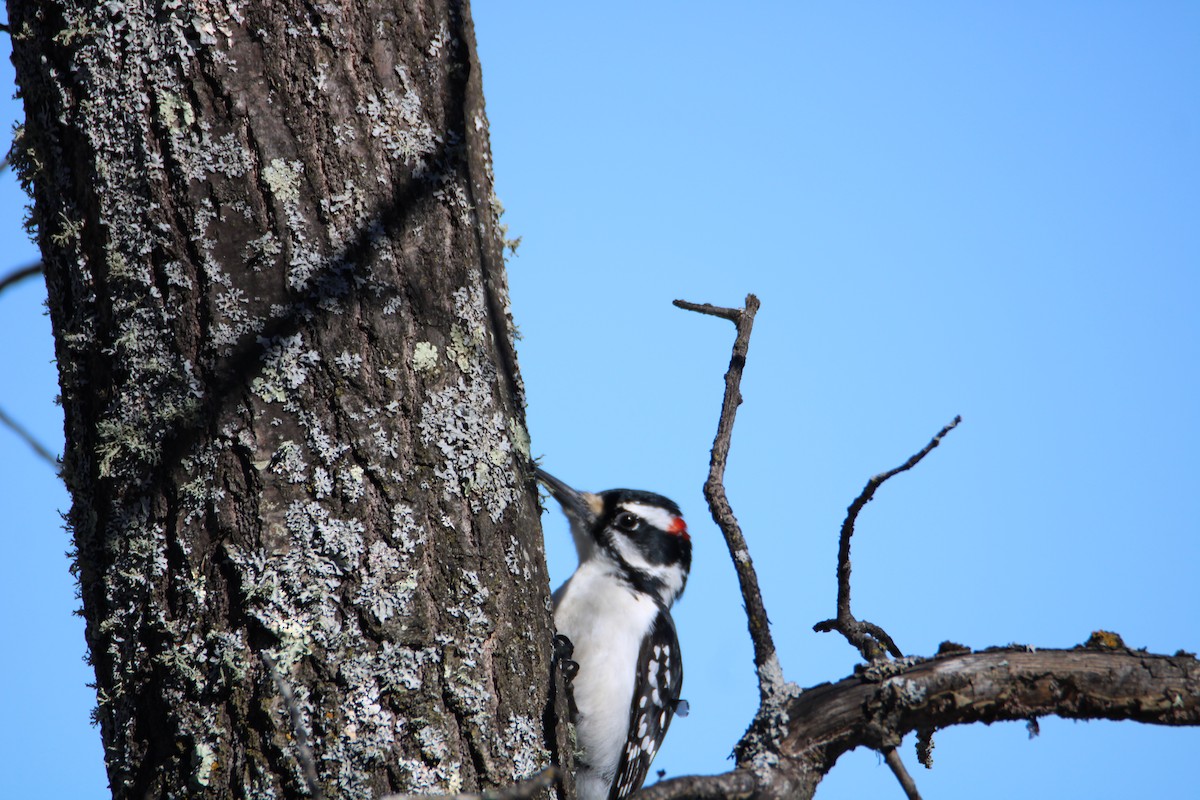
(679, 528)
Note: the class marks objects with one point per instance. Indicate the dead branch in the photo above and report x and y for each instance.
(11, 279)
(770, 677)
(18, 275)
(990, 686)
(29, 439)
(739, 783)
(892, 758)
(868, 638)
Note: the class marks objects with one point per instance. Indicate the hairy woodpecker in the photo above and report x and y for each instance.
(634, 557)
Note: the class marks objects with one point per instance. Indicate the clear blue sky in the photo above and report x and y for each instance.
(946, 209)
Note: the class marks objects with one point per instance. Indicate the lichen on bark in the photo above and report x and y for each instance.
(294, 421)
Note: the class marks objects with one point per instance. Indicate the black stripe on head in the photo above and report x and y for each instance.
(614, 497)
(655, 545)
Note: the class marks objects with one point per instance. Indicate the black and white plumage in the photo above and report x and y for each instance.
(634, 557)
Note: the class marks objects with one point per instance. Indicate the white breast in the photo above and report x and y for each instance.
(606, 621)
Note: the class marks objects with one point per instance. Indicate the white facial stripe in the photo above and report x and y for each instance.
(631, 554)
(671, 576)
(658, 517)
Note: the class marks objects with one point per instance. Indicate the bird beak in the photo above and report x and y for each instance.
(583, 506)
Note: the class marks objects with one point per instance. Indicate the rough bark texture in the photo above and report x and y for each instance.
(293, 417)
(882, 704)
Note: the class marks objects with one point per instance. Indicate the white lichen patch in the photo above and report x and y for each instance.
(283, 179)
(443, 778)
(465, 655)
(432, 742)
(285, 368)
(326, 447)
(402, 667)
(523, 739)
(520, 438)
(299, 592)
(909, 691)
(351, 212)
(322, 484)
(349, 364)
(406, 530)
(351, 482)
(398, 122)
(386, 589)
(778, 689)
(473, 444)
(425, 355)
(288, 461)
(462, 421)
(204, 760)
(518, 565)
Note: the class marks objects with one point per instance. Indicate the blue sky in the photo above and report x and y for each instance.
(945, 209)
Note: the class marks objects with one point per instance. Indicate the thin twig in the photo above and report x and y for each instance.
(906, 782)
(521, 790)
(29, 438)
(305, 752)
(866, 636)
(12, 278)
(769, 679)
(18, 275)
(734, 315)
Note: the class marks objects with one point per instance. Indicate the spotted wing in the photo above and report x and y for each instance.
(655, 695)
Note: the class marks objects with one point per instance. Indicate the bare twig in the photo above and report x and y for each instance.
(769, 677)
(12, 278)
(304, 751)
(18, 275)
(29, 439)
(522, 790)
(734, 315)
(870, 639)
(897, 766)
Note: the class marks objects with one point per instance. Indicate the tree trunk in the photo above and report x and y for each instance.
(293, 416)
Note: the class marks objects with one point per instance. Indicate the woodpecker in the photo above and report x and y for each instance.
(634, 557)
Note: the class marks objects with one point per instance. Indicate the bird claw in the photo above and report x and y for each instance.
(563, 647)
(563, 650)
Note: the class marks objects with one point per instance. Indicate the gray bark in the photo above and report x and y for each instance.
(294, 423)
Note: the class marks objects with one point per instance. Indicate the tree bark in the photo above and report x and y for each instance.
(294, 422)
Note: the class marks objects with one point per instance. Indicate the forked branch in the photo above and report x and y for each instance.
(870, 639)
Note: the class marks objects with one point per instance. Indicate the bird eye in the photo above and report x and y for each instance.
(626, 521)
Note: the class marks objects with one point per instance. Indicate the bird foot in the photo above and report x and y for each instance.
(563, 650)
